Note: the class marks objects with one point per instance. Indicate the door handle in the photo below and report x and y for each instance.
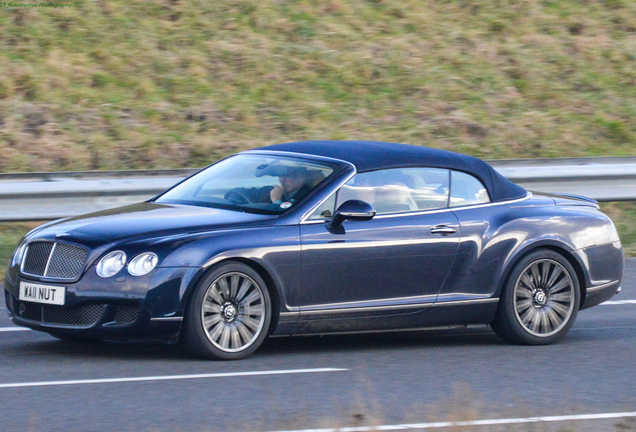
(443, 230)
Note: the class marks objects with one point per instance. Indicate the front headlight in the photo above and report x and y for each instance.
(111, 264)
(18, 255)
(142, 264)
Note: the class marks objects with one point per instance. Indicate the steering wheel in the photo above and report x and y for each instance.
(237, 196)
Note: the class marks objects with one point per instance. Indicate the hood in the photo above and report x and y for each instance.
(150, 220)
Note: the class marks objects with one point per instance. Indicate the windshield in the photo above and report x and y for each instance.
(251, 183)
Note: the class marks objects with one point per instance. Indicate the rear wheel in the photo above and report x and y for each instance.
(540, 300)
(229, 314)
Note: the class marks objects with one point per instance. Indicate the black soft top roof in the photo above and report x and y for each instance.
(371, 156)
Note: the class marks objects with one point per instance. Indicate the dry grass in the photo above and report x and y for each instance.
(624, 216)
(148, 84)
(10, 235)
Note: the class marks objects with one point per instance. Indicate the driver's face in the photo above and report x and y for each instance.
(291, 183)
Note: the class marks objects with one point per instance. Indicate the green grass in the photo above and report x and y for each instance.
(160, 84)
(10, 235)
(624, 216)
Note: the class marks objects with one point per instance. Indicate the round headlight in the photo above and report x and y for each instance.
(142, 264)
(111, 264)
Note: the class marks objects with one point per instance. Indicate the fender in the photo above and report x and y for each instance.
(275, 250)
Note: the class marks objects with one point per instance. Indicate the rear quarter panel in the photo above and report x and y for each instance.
(494, 237)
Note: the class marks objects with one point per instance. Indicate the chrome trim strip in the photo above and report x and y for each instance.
(466, 302)
(399, 330)
(316, 221)
(366, 303)
(413, 213)
(447, 209)
(491, 204)
(397, 306)
(46, 269)
(366, 309)
(24, 255)
(167, 319)
(425, 212)
(600, 287)
(288, 314)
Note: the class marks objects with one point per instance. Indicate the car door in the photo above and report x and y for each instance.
(474, 275)
(396, 261)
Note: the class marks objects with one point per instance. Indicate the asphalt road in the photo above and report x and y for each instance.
(354, 380)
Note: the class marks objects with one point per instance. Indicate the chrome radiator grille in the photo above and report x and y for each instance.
(54, 260)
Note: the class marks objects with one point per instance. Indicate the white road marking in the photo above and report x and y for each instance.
(169, 377)
(13, 329)
(602, 328)
(618, 302)
(438, 425)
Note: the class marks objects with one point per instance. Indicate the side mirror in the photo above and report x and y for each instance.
(352, 210)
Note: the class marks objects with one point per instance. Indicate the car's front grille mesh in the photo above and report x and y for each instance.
(126, 314)
(54, 260)
(36, 258)
(85, 315)
(75, 316)
(67, 262)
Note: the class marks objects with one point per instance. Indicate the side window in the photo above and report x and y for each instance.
(399, 190)
(467, 190)
(325, 210)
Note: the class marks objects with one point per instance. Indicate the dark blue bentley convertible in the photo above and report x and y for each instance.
(318, 237)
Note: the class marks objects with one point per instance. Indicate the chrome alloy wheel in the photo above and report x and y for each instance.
(544, 298)
(233, 312)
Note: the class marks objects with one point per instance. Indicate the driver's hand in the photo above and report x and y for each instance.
(276, 193)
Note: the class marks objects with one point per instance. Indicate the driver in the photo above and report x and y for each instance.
(293, 186)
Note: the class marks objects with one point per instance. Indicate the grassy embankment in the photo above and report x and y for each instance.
(160, 84)
(148, 84)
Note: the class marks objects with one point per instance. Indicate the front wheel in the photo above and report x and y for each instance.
(540, 301)
(228, 315)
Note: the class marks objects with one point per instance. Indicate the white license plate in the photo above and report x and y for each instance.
(42, 293)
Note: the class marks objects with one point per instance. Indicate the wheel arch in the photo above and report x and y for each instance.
(562, 250)
(271, 285)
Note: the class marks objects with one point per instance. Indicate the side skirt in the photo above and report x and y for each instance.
(443, 314)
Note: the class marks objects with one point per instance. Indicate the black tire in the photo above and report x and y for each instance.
(540, 300)
(228, 315)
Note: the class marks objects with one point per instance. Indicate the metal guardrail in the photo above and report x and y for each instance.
(44, 196)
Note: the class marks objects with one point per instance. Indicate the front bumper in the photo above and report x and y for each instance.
(122, 307)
